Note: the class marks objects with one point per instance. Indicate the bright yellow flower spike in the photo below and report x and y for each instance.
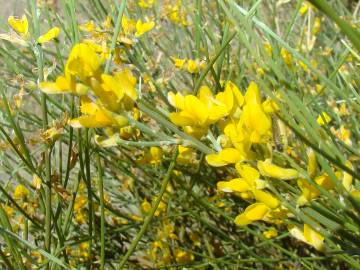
(21, 26)
(142, 28)
(267, 168)
(253, 212)
(50, 35)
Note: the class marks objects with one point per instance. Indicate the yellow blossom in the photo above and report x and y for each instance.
(253, 212)
(267, 168)
(309, 236)
(50, 35)
(20, 25)
(143, 27)
(21, 192)
(36, 182)
(270, 233)
(286, 57)
(323, 119)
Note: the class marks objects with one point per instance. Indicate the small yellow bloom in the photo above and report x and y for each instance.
(145, 206)
(83, 61)
(270, 233)
(146, 3)
(183, 256)
(287, 57)
(267, 168)
(36, 182)
(323, 119)
(50, 35)
(253, 212)
(309, 236)
(21, 26)
(21, 192)
(178, 62)
(142, 28)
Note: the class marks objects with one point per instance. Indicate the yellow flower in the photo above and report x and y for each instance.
(21, 192)
(153, 156)
(267, 168)
(316, 25)
(178, 62)
(253, 212)
(347, 178)
(36, 182)
(312, 163)
(50, 35)
(309, 236)
(183, 257)
(286, 57)
(186, 155)
(197, 113)
(96, 116)
(128, 25)
(83, 62)
(309, 192)
(145, 206)
(146, 3)
(193, 66)
(323, 119)
(254, 126)
(142, 28)
(21, 26)
(270, 233)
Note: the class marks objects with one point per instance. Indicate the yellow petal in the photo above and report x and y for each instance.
(266, 198)
(253, 212)
(19, 25)
(181, 119)
(50, 35)
(83, 61)
(268, 169)
(247, 172)
(239, 98)
(323, 119)
(142, 28)
(230, 155)
(111, 84)
(226, 98)
(196, 108)
(215, 160)
(313, 238)
(60, 86)
(128, 83)
(347, 178)
(234, 185)
(176, 100)
(312, 163)
(252, 95)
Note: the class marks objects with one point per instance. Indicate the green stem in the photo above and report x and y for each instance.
(151, 213)
(115, 35)
(102, 213)
(40, 65)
